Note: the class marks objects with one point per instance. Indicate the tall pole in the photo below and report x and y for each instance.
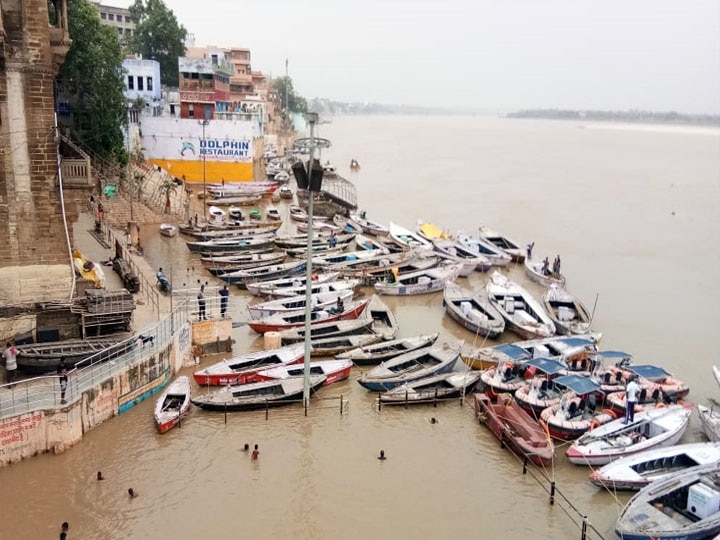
(312, 118)
(204, 123)
(287, 84)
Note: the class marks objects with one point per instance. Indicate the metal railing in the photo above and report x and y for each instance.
(44, 392)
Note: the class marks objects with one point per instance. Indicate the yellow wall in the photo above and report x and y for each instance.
(215, 171)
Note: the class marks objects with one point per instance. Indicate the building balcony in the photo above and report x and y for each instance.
(196, 84)
(60, 43)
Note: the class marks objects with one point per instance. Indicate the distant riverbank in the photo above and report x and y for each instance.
(640, 117)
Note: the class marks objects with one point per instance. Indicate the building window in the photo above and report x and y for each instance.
(103, 16)
(214, 58)
(111, 16)
(149, 84)
(140, 84)
(120, 31)
(191, 110)
(131, 82)
(128, 19)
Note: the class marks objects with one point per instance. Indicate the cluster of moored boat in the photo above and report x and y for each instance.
(555, 385)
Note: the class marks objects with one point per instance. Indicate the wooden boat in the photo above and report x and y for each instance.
(407, 239)
(682, 506)
(570, 350)
(235, 212)
(430, 389)
(515, 429)
(287, 286)
(522, 313)
(278, 322)
(300, 240)
(173, 404)
(369, 227)
(384, 322)
(332, 370)
(282, 176)
(45, 357)
(503, 379)
(235, 200)
(330, 260)
(232, 263)
(370, 244)
(652, 428)
(243, 369)
(299, 214)
(411, 366)
(263, 273)
(258, 395)
(577, 410)
(334, 345)
(534, 269)
(242, 188)
(232, 244)
(346, 225)
(472, 311)
(380, 352)
(285, 192)
(486, 249)
(235, 233)
(273, 213)
(320, 225)
(288, 304)
(321, 330)
(316, 249)
(638, 470)
(430, 232)
(541, 392)
(168, 229)
(710, 420)
(420, 282)
(460, 253)
(503, 243)
(567, 312)
(217, 215)
(316, 288)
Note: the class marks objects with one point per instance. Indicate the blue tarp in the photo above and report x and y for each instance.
(513, 351)
(649, 372)
(612, 355)
(547, 365)
(578, 384)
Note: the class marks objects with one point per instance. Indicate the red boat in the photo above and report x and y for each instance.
(334, 371)
(515, 428)
(244, 369)
(277, 322)
(172, 404)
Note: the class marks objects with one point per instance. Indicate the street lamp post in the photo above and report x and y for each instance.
(305, 181)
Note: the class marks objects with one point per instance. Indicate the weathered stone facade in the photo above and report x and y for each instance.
(33, 246)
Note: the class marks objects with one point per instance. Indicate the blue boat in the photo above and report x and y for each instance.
(411, 366)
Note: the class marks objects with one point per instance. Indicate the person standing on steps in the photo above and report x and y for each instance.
(63, 375)
(224, 294)
(201, 304)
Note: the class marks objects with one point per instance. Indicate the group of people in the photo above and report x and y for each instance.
(224, 296)
(255, 453)
(546, 266)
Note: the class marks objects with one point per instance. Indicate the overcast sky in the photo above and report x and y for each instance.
(493, 55)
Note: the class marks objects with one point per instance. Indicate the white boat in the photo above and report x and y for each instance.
(325, 300)
(282, 176)
(540, 272)
(370, 244)
(683, 506)
(636, 471)
(379, 352)
(368, 226)
(216, 214)
(285, 192)
(320, 224)
(384, 322)
(710, 420)
(567, 312)
(430, 389)
(503, 243)
(651, 428)
(243, 369)
(421, 282)
(173, 404)
(284, 286)
(460, 253)
(716, 374)
(333, 370)
(472, 310)
(522, 313)
(325, 260)
(407, 239)
(317, 288)
(273, 213)
(484, 248)
(168, 229)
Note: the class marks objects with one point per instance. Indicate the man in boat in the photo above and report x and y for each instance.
(333, 240)
(546, 267)
(529, 249)
(340, 305)
(631, 391)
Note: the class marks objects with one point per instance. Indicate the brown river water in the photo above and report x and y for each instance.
(633, 212)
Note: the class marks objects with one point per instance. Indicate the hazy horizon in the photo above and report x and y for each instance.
(483, 55)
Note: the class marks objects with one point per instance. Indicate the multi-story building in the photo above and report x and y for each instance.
(142, 79)
(118, 18)
(204, 85)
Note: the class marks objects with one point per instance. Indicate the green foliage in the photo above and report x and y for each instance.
(158, 36)
(295, 102)
(92, 81)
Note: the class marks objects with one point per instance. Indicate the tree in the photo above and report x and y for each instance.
(91, 81)
(158, 36)
(169, 188)
(295, 102)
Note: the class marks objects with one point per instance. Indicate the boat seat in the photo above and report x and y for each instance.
(572, 409)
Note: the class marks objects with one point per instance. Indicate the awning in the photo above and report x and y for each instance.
(547, 365)
(649, 372)
(578, 384)
(513, 351)
(614, 355)
(576, 342)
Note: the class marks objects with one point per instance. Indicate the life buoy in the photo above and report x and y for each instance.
(612, 412)
(660, 405)
(595, 423)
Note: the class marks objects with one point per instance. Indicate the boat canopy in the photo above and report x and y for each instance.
(611, 355)
(578, 384)
(547, 365)
(576, 342)
(513, 351)
(649, 372)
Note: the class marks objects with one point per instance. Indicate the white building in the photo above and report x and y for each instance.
(142, 79)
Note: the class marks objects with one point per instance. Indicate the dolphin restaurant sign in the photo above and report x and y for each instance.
(225, 150)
